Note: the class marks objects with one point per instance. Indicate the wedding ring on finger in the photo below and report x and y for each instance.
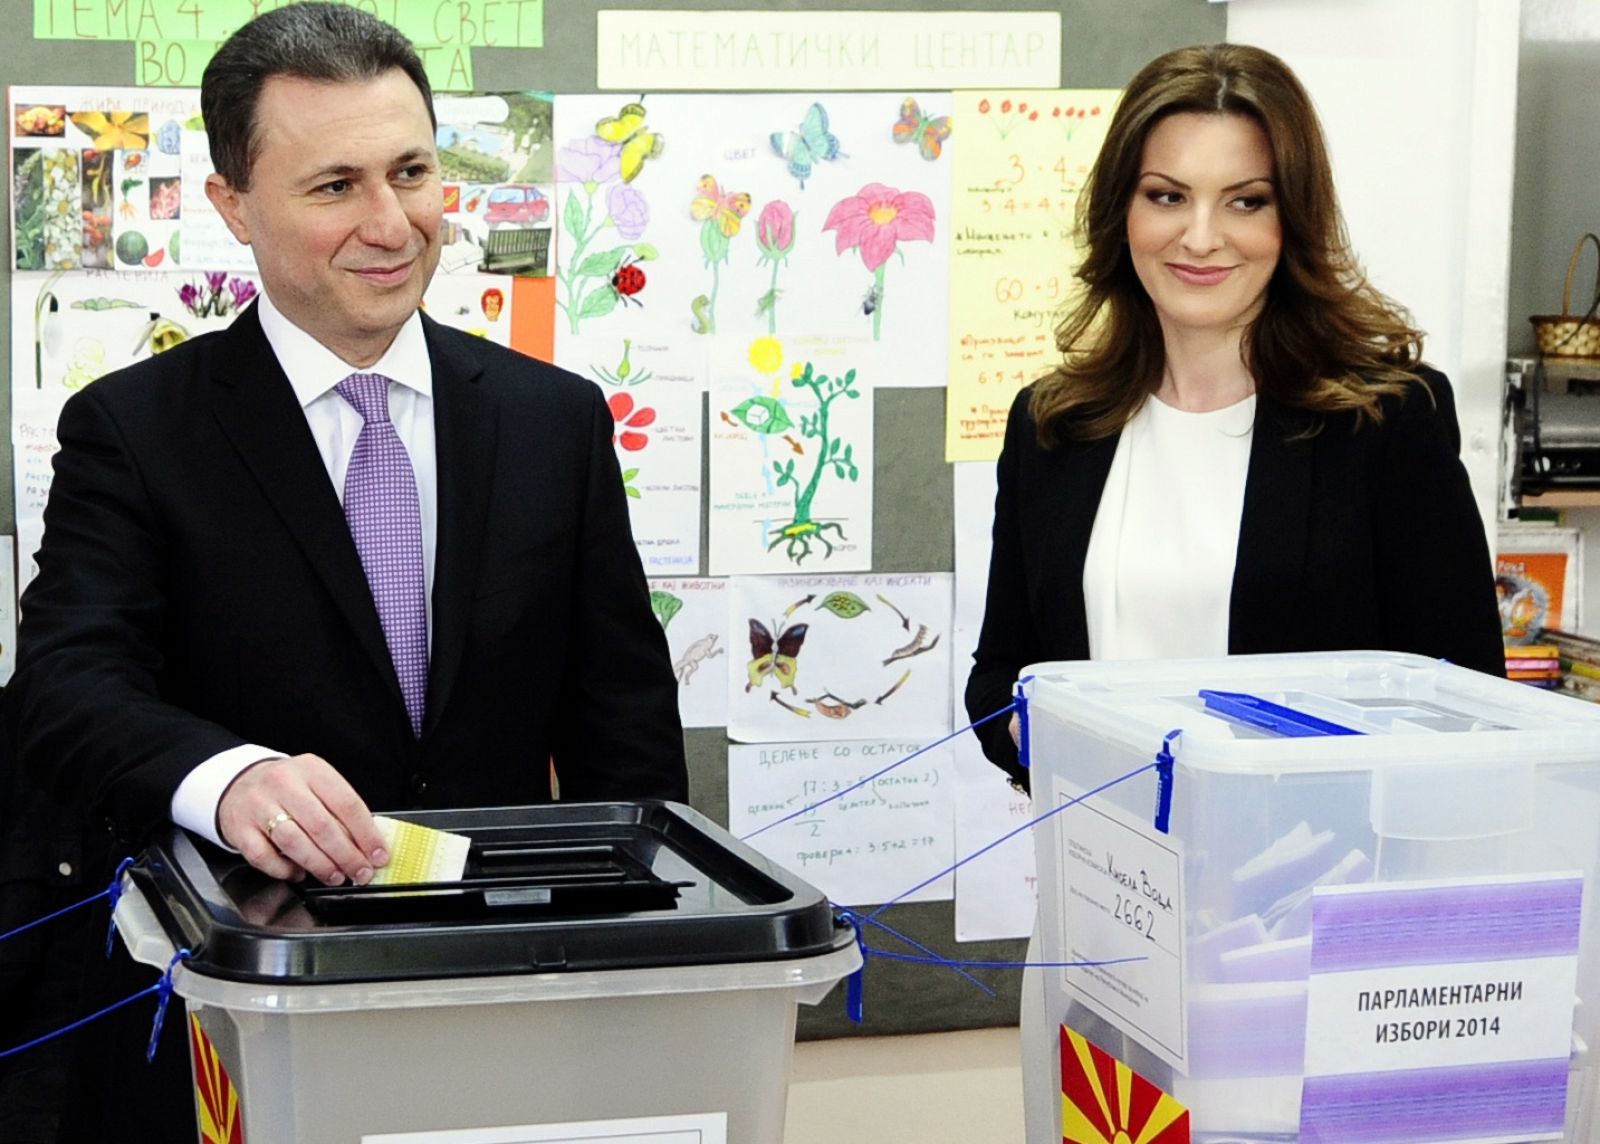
(276, 821)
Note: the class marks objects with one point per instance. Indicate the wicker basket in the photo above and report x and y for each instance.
(1566, 334)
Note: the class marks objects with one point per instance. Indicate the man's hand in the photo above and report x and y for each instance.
(293, 817)
(1016, 730)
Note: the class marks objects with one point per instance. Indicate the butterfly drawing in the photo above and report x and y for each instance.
(638, 142)
(711, 201)
(807, 145)
(775, 657)
(929, 131)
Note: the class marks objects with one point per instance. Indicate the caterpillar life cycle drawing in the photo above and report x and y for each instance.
(839, 657)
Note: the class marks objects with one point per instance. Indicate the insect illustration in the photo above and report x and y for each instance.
(639, 143)
(628, 281)
(726, 207)
(929, 131)
(807, 145)
(870, 302)
(775, 657)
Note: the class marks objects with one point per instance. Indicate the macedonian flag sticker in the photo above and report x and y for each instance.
(221, 1121)
(1103, 1101)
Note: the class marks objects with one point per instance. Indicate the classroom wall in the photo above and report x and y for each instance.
(1556, 197)
(1417, 99)
(1103, 43)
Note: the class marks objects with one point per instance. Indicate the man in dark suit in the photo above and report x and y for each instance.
(336, 556)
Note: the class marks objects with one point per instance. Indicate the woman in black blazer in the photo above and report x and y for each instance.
(1242, 451)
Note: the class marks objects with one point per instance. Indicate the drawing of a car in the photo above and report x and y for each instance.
(516, 204)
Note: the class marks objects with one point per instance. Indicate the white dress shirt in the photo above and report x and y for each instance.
(313, 371)
(1158, 577)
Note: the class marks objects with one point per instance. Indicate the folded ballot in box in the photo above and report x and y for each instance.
(1330, 897)
(602, 971)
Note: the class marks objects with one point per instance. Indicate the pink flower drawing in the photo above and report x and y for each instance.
(874, 222)
(878, 218)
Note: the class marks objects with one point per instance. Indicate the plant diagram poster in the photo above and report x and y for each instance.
(839, 657)
(790, 456)
(653, 387)
(759, 214)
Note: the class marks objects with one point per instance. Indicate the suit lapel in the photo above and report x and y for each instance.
(1273, 530)
(1073, 499)
(257, 409)
(464, 433)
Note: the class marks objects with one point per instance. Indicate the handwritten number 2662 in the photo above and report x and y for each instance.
(1136, 917)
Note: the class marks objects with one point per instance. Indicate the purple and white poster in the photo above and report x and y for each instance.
(1441, 1011)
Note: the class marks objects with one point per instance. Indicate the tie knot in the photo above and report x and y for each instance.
(368, 393)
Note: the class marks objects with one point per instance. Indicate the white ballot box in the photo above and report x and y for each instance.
(1344, 897)
(603, 972)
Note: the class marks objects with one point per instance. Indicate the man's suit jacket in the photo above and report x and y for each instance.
(1349, 538)
(198, 589)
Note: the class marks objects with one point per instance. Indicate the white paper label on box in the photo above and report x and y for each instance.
(696, 1128)
(1442, 1010)
(1122, 902)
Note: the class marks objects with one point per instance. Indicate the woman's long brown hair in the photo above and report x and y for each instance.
(1325, 341)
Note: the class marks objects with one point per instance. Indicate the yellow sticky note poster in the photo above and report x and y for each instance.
(1022, 160)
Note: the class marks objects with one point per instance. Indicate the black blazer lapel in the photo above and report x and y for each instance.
(464, 421)
(256, 408)
(1071, 496)
(1273, 532)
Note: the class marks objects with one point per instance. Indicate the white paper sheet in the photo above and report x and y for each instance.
(791, 461)
(477, 304)
(694, 613)
(8, 608)
(776, 50)
(997, 894)
(869, 845)
(737, 221)
(839, 657)
(68, 329)
(653, 387)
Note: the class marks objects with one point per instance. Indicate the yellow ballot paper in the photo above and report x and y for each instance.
(419, 853)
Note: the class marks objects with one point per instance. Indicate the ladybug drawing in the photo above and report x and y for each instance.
(628, 281)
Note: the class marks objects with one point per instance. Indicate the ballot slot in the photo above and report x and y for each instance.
(546, 880)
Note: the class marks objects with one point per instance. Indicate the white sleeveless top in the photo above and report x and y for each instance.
(1159, 572)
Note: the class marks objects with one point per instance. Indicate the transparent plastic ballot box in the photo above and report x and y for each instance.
(1307, 845)
(614, 969)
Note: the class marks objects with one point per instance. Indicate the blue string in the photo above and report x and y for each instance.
(1029, 825)
(878, 775)
(162, 987)
(915, 944)
(115, 884)
(883, 953)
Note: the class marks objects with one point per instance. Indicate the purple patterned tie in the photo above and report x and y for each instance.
(380, 502)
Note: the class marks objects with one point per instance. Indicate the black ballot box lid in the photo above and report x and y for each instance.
(549, 888)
